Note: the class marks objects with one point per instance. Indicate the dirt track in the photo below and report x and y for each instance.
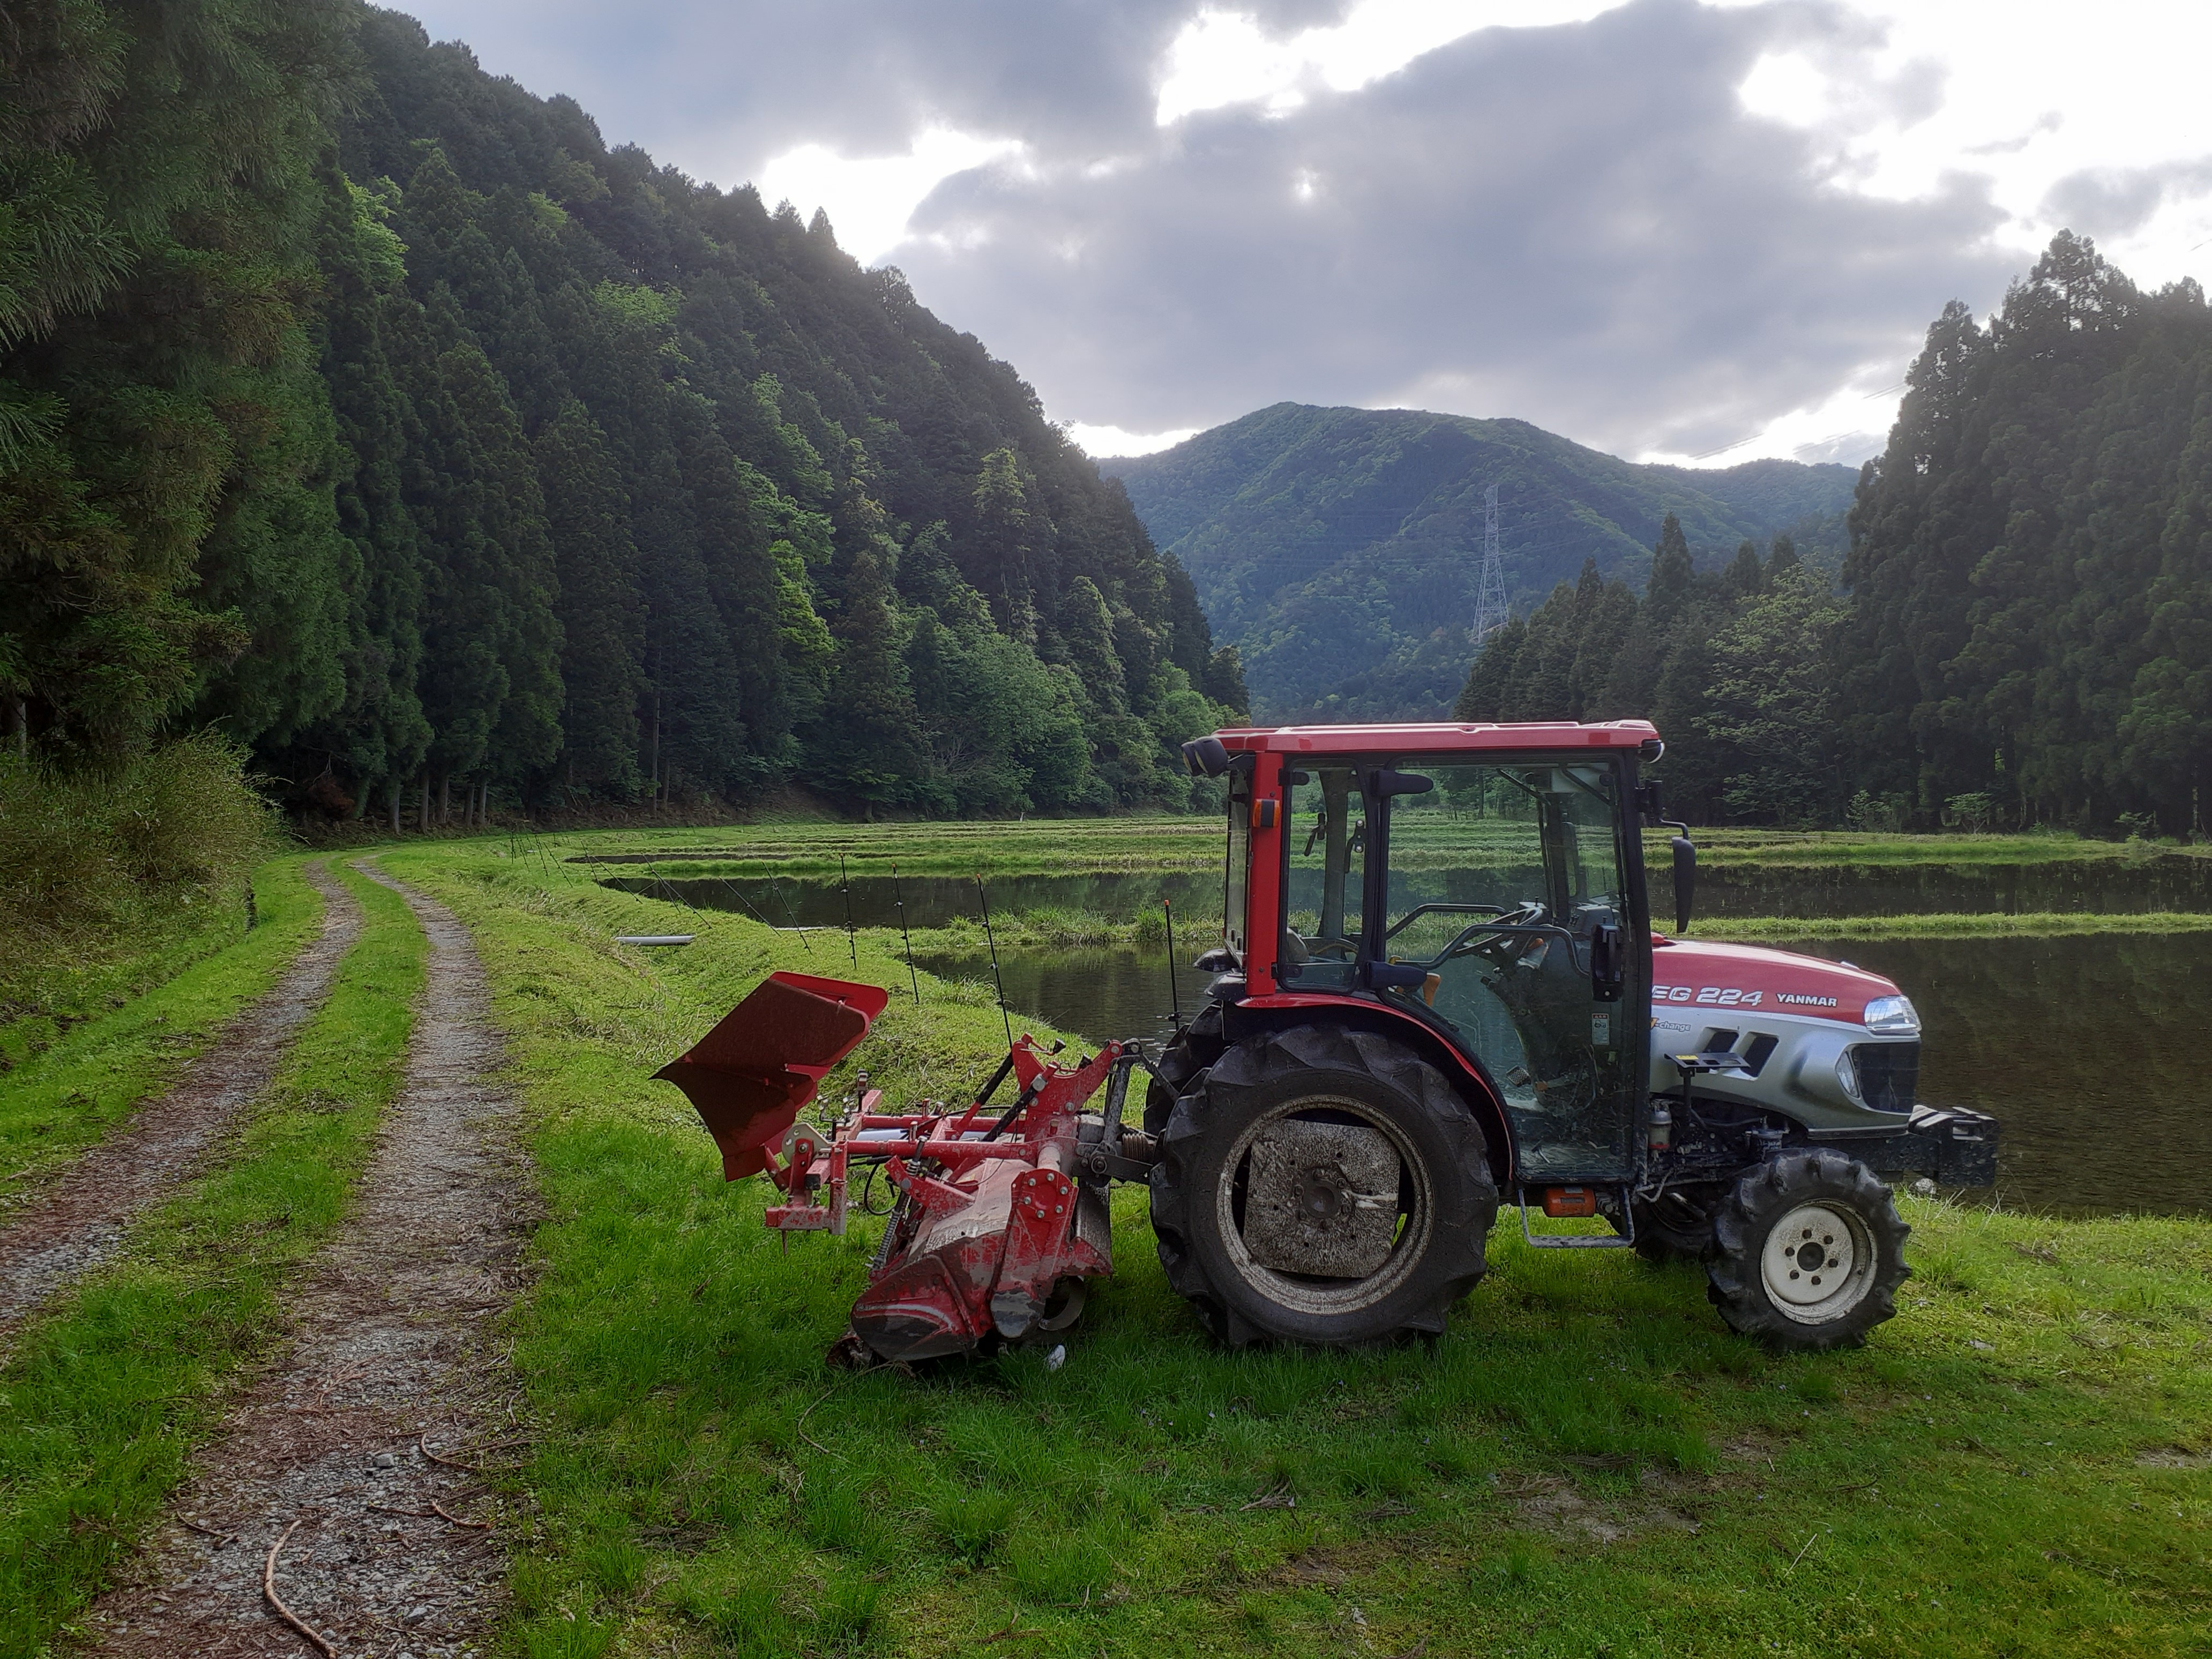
(390, 1348)
(77, 1218)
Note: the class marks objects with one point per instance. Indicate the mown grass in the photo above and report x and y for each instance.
(58, 1102)
(2020, 1463)
(107, 1390)
(1193, 843)
(1978, 924)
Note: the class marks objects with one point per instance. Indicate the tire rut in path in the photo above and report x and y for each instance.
(77, 1218)
(391, 1346)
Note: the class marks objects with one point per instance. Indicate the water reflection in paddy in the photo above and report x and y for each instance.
(2085, 1048)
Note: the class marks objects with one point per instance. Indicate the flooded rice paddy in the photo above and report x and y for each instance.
(2086, 1048)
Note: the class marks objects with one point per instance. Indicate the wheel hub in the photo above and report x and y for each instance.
(1817, 1262)
(1321, 1199)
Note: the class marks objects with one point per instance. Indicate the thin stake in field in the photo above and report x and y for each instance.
(852, 940)
(1175, 998)
(997, 984)
(899, 900)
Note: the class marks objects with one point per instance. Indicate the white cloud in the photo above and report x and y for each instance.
(1224, 56)
(1103, 440)
(1088, 187)
(869, 199)
(2026, 95)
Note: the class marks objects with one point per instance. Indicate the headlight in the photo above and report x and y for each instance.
(1892, 1017)
(1848, 1075)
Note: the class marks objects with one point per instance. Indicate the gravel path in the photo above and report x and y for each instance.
(78, 1217)
(389, 1353)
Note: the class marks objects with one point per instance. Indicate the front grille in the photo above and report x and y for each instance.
(1888, 1074)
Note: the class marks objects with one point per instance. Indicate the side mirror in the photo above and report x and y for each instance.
(1685, 876)
(1206, 757)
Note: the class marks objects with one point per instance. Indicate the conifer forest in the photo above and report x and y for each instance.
(2023, 632)
(375, 414)
(379, 414)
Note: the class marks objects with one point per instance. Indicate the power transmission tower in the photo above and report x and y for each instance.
(1491, 611)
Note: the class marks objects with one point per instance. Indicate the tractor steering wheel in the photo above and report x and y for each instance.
(1482, 934)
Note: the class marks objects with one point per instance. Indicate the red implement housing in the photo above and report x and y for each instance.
(751, 1076)
(991, 1236)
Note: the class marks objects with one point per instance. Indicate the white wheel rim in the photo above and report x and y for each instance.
(1818, 1263)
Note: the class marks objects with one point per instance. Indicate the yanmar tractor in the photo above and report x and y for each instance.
(1438, 989)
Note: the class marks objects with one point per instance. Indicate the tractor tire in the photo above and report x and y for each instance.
(1194, 1048)
(1675, 1227)
(1315, 1087)
(1808, 1252)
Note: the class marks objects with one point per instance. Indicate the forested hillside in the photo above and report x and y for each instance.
(1336, 547)
(377, 411)
(2025, 634)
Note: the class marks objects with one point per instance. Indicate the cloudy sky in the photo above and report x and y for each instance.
(1672, 230)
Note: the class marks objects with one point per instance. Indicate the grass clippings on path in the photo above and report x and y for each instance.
(106, 1393)
(1589, 1464)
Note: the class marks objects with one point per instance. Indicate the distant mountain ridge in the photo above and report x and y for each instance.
(1338, 548)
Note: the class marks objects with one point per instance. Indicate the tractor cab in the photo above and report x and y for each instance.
(1483, 884)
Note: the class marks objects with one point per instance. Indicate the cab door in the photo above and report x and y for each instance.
(1503, 921)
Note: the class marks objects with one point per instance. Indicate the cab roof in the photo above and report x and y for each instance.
(1472, 737)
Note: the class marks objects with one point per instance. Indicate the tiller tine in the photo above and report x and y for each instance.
(754, 1072)
(991, 1237)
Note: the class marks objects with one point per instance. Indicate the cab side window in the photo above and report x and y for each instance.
(1325, 868)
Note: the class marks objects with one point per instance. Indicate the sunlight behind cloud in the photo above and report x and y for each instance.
(869, 199)
(1222, 57)
(1847, 427)
(1101, 441)
(2110, 143)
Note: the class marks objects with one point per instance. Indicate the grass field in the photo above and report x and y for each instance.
(2020, 1463)
(106, 1391)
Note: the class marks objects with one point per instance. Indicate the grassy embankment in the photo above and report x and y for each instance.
(107, 1390)
(114, 878)
(69, 1093)
(1588, 1464)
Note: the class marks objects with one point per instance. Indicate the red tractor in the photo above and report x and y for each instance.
(1438, 989)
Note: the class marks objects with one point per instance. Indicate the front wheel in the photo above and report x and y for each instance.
(1320, 1186)
(1808, 1252)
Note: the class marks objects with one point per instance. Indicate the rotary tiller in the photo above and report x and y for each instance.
(998, 1219)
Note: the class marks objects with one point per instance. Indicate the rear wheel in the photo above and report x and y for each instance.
(1808, 1252)
(1320, 1186)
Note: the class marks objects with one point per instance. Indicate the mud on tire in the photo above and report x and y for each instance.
(1446, 1200)
(1808, 1252)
